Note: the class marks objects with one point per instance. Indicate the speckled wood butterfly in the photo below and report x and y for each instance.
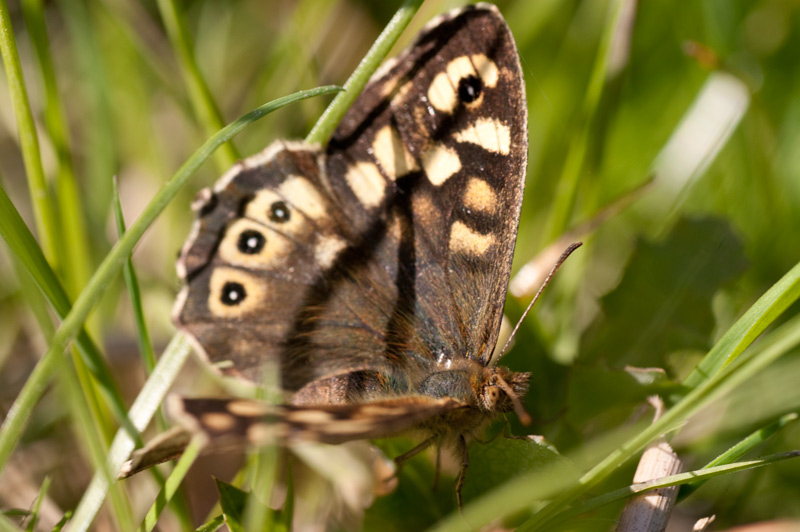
(372, 272)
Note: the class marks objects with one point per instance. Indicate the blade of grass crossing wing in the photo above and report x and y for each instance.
(12, 426)
(324, 127)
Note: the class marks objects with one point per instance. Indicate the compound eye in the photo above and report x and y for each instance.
(492, 394)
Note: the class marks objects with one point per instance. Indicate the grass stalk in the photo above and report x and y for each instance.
(41, 200)
(333, 114)
(171, 486)
(199, 94)
(568, 184)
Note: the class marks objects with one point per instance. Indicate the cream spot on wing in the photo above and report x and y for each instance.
(491, 135)
(395, 228)
(392, 154)
(201, 199)
(396, 90)
(487, 69)
(234, 293)
(440, 163)
(351, 426)
(251, 245)
(443, 91)
(217, 421)
(301, 193)
(465, 240)
(367, 183)
(327, 249)
(247, 408)
(373, 411)
(427, 212)
(263, 205)
(309, 417)
(264, 433)
(479, 196)
(305, 435)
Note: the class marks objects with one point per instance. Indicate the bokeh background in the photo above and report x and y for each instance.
(666, 135)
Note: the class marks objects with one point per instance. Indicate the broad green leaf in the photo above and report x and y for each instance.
(663, 302)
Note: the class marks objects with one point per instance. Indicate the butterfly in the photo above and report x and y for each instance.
(372, 272)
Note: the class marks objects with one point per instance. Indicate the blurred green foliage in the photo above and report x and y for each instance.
(703, 96)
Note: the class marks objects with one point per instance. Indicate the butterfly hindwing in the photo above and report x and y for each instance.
(240, 422)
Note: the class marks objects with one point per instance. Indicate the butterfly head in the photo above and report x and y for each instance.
(501, 391)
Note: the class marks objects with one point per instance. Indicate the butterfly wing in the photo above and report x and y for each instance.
(390, 251)
(431, 159)
(243, 421)
(264, 236)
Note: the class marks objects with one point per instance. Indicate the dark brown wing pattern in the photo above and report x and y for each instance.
(373, 272)
(437, 145)
(388, 253)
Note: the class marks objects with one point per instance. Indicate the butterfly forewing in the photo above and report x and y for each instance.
(433, 153)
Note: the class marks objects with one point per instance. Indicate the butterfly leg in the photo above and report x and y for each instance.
(506, 432)
(400, 460)
(462, 474)
(437, 466)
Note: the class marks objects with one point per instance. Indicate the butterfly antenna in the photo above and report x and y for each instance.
(567, 252)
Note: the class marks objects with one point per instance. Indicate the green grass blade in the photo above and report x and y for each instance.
(700, 475)
(324, 127)
(78, 404)
(34, 517)
(519, 493)
(84, 412)
(740, 449)
(97, 91)
(568, 183)
(22, 243)
(757, 318)
(756, 438)
(61, 522)
(212, 525)
(779, 342)
(76, 257)
(141, 412)
(132, 283)
(145, 345)
(43, 209)
(7, 525)
(11, 429)
(171, 486)
(199, 94)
